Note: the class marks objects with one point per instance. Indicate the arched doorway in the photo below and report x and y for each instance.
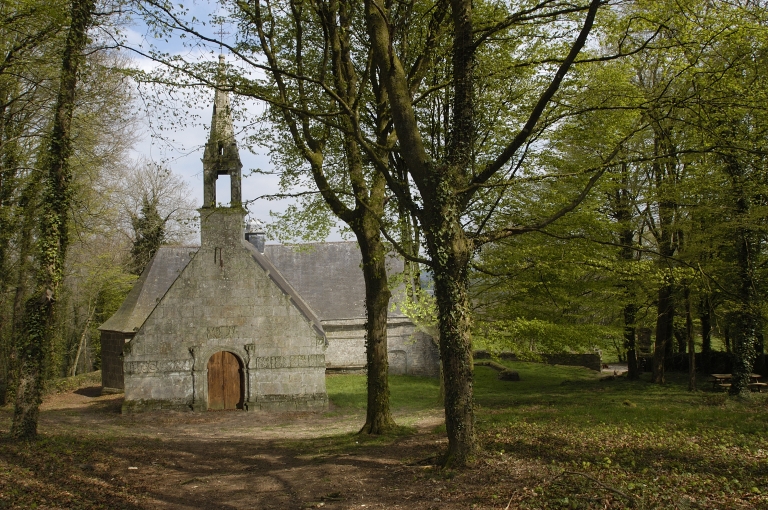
(225, 382)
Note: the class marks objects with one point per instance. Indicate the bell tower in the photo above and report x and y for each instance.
(221, 156)
(221, 228)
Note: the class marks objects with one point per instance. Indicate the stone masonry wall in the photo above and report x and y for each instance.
(410, 352)
(591, 361)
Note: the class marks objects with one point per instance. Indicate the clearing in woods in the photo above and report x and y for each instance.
(559, 438)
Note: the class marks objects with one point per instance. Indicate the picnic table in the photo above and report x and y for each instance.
(723, 382)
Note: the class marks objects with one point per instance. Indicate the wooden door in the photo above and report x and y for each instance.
(225, 382)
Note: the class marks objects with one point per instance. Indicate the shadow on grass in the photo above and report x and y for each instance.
(574, 418)
(90, 391)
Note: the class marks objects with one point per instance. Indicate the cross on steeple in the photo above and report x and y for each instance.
(222, 33)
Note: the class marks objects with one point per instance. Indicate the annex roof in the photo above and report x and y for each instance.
(154, 282)
(328, 276)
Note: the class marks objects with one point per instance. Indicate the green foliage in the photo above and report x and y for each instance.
(669, 443)
(419, 305)
(530, 337)
(149, 232)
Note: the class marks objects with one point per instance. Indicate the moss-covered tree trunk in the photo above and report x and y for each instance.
(624, 206)
(450, 252)
(34, 341)
(747, 316)
(347, 169)
(378, 419)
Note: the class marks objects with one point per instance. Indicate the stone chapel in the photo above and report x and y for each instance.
(217, 327)
(221, 327)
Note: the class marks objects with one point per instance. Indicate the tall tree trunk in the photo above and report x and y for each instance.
(378, 418)
(11, 210)
(689, 339)
(623, 211)
(34, 342)
(451, 292)
(28, 205)
(664, 174)
(682, 341)
(368, 190)
(747, 315)
(664, 331)
(450, 252)
(630, 341)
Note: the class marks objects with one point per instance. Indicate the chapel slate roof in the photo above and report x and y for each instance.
(328, 276)
(154, 282)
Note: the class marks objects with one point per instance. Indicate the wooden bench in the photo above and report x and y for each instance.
(723, 382)
(720, 381)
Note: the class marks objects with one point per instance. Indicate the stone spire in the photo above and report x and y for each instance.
(221, 156)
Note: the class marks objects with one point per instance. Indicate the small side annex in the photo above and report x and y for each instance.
(328, 276)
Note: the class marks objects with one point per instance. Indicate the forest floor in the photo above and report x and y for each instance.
(91, 456)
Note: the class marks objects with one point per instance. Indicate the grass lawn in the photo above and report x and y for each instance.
(629, 443)
(662, 445)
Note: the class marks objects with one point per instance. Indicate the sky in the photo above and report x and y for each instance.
(181, 150)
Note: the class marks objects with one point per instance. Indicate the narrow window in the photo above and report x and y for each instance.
(223, 190)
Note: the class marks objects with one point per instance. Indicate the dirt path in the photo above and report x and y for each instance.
(173, 460)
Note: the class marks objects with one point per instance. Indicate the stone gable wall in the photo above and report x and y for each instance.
(223, 300)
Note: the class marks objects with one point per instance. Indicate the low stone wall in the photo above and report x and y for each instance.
(714, 362)
(591, 361)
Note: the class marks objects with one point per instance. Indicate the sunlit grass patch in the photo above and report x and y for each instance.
(348, 392)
